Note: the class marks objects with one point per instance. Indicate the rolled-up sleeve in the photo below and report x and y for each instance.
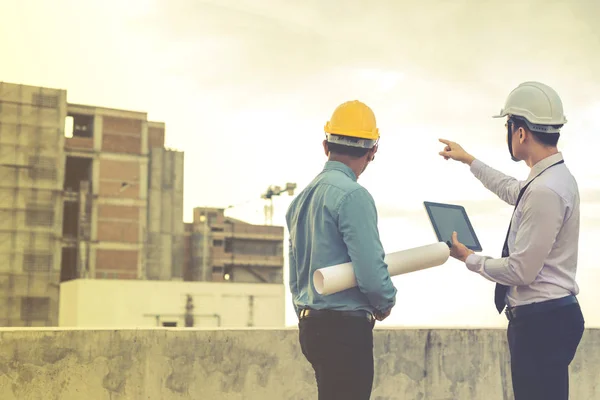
(357, 222)
(541, 219)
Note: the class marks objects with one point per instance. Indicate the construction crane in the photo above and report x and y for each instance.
(275, 191)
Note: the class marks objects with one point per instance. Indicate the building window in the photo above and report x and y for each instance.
(37, 262)
(42, 100)
(218, 243)
(217, 270)
(228, 273)
(79, 126)
(43, 168)
(36, 216)
(35, 308)
(169, 324)
(77, 170)
(228, 245)
(265, 248)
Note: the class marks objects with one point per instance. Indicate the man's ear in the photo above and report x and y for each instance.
(522, 135)
(372, 152)
(326, 148)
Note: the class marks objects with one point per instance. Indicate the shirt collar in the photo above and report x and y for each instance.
(543, 164)
(339, 166)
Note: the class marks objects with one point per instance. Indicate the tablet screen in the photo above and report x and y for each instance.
(448, 218)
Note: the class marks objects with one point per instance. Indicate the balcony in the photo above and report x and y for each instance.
(244, 260)
(244, 231)
(79, 143)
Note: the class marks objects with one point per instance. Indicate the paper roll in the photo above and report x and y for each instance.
(340, 277)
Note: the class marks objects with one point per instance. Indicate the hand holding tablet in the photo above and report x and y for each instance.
(448, 218)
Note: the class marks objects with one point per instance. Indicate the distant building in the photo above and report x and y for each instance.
(85, 192)
(219, 248)
(104, 303)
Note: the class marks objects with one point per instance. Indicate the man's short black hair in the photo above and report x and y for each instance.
(547, 139)
(336, 148)
(352, 151)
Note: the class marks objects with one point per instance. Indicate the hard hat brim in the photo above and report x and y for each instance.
(540, 128)
(352, 142)
(529, 117)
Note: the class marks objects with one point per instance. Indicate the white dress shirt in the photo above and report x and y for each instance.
(544, 236)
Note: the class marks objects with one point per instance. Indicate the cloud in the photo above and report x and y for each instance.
(232, 46)
(466, 41)
(435, 62)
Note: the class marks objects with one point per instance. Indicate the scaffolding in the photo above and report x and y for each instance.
(31, 170)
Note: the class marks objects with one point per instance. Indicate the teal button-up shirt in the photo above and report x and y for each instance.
(334, 221)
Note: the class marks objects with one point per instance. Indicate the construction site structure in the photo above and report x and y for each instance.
(219, 248)
(270, 193)
(31, 151)
(85, 192)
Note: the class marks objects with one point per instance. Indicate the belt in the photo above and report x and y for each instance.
(308, 313)
(534, 308)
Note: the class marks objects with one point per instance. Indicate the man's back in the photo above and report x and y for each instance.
(333, 221)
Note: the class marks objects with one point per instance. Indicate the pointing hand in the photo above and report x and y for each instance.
(456, 152)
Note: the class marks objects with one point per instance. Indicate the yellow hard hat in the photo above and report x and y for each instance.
(354, 119)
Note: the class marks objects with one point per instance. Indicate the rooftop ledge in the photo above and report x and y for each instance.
(193, 363)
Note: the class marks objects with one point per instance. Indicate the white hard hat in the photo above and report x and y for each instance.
(538, 104)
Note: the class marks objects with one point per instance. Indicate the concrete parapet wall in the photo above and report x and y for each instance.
(259, 364)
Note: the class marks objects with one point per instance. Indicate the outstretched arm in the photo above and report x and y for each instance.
(357, 221)
(505, 187)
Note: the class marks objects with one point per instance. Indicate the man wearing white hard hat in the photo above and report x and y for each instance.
(535, 276)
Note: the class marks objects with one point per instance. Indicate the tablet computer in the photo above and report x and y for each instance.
(448, 218)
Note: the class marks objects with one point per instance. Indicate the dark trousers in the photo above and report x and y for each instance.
(340, 351)
(542, 346)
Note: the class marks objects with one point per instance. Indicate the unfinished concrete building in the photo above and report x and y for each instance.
(219, 248)
(85, 192)
(164, 250)
(31, 176)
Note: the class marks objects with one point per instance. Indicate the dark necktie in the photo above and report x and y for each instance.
(500, 291)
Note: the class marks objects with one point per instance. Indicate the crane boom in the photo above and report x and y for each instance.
(270, 193)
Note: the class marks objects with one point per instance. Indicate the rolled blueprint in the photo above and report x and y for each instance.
(340, 277)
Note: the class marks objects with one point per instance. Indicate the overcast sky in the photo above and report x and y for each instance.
(245, 87)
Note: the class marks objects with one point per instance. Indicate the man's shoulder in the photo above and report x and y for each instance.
(356, 199)
(347, 190)
(332, 194)
(340, 181)
(547, 195)
(559, 182)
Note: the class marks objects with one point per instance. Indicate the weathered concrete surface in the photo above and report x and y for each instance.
(259, 364)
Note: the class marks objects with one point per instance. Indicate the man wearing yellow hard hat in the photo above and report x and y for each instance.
(334, 221)
(535, 276)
